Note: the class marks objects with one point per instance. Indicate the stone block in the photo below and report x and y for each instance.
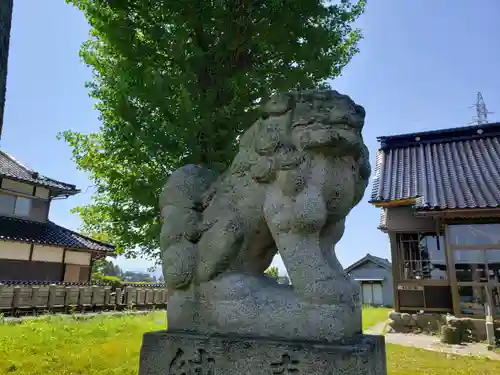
(450, 335)
(395, 316)
(406, 318)
(429, 322)
(176, 353)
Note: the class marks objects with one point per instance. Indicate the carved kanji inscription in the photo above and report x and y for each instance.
(201, 364)
(286, 365)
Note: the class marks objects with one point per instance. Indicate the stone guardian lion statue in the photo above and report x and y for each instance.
(299, 171)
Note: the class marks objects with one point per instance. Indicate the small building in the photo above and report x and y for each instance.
(439, 195)
(375, 277)
(284, 280)
(32, 248)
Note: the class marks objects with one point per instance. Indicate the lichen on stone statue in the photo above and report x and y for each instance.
(300, 169)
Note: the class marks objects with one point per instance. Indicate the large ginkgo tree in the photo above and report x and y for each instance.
(176, 82)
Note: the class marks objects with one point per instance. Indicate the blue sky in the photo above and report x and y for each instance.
(420, 66)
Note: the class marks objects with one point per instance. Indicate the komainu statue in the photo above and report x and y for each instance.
(299, 171)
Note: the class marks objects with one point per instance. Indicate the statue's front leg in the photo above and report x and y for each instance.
(348, 289)
(296, 224)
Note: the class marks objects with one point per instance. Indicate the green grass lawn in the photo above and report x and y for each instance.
(110, 345)
(58, 346)
(374, 315)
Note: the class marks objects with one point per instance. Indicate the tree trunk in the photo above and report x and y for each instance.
(5, 23)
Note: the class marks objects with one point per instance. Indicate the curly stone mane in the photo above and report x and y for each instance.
(267, 146)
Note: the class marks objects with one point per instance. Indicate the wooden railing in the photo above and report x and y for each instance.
(17, 299)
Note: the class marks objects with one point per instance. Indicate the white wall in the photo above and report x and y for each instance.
(47, 254)
(77, 257)
(15, 250)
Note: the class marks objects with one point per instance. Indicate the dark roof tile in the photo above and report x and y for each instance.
(11, 168)
(455, 168)
(48, 233)
(368, 257)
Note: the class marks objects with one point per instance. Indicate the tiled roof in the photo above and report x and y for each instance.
(443, 169)
(11, 168)
(368, 257)
(381, 260)
(48, 233)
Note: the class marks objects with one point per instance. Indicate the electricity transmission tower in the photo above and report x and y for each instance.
(482, 113)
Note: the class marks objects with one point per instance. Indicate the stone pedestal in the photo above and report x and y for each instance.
(180, 353)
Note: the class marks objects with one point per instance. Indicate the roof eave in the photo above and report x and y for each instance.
(441, 136)
(489, 129)
(111, 247)
(71, 190)
(393, 203)
(43, 243)
(63, 192)
(105, 253)
(484, 212)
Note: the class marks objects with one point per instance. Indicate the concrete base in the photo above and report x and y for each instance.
(180, 353)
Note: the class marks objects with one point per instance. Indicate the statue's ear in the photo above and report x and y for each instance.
(277, 105)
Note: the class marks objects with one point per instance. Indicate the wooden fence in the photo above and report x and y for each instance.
(17, 300)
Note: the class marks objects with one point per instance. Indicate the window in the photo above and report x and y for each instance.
(477, 265)
(493, 264)
(476, 255)
(7, 204)
(23, 206)
(472, 300)
(12, 205)
(422, 256)
(470, 265)
(474, 234)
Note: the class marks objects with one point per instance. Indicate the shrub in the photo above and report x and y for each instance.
(114, 281)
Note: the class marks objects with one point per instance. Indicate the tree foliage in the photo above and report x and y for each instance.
(177, 81)
(105, 270)
(273, 272)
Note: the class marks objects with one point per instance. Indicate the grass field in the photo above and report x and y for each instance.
(374, 315)
(110, 345)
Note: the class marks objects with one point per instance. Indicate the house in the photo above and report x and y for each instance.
(375, 276)
(439, 196)
(31, 246)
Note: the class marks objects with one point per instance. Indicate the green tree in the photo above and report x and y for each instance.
(133, 276)
(273, 272)
(177, 81)
(98, 269)
(104, 267)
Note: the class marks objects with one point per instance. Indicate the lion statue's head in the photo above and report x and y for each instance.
(294, 124)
